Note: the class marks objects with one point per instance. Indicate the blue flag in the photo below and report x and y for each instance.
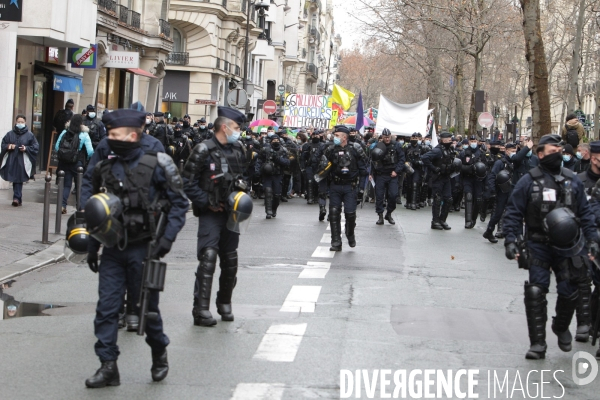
(360, 114)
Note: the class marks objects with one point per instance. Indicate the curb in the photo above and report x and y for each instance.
(55, 255)
(38, 266)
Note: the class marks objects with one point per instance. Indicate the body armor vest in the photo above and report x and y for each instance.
(391, 156)
(94, 131)
(445, 162)
(345, 161)
(413, 153)
(540, 205)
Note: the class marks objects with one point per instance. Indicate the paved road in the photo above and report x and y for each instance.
(405, 298)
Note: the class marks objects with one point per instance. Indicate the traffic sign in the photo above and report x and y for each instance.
(270, 107)
(281, 89)
(237, 98)
(486, 119)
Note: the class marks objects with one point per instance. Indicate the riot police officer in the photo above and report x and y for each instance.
(272, 159)
(214, 170)
(388, 166)
(500, 183)
(202, 133)
(180, 146)
(143, 185)
(413, 154)
(473, 173)
(96, 127)
(558, 221)
(310, 159)
(345, 165)
(292, 169)
(322, 185)
(187, 128)
(162, 132)
(439, 162)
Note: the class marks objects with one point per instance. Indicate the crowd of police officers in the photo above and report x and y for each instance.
(144, 175)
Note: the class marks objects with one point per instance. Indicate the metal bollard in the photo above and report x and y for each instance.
(59, 198)
(79, 182)
(46, 216)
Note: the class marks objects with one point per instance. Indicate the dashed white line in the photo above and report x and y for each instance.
(315, 270)
(323, 252)
(281, 343)
(301, 299)
(258, 391)
(326, 238)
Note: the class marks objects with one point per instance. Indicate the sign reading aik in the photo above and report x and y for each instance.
(307, 111)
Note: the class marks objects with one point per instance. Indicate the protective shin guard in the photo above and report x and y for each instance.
(565, 307)
(276, 200)
(310, 193)
(227, 281)
(415, 196)
(469, 224)
(203, 287)
(482, 206)
(336, 229)
(350, 225)
(537, 315)
(584, 319)
(269, 202)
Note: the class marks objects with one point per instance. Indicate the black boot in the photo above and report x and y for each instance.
(227, 281)
(276, 200)
(584, 319)
(444, 210)
(160, 365)
(322, 212)
(435, 222)
(469, 224)
(107, 375)
(132, 320)
(350, 225)
(565, 307)
(499, 232)
(269, 202)
(537, 315)
(483, 206)
(380, 220)
(336, 229)
(203, 287)
(310, 199)
(489, 235)
(388, 218)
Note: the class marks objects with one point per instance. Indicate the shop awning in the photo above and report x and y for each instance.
(139, 71)
(63, 80)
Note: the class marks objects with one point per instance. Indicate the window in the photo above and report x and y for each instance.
(177, 41)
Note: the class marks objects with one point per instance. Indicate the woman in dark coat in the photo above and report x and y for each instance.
(17, 157)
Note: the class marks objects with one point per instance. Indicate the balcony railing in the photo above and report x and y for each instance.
(134, 19)
(165, 27)
(108, 5)
(179, 59)
(123, 14)
(313, 69)
(238, 70)
(218, 63)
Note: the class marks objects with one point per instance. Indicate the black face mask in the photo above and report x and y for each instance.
(413, 142)
(352, 138)
(177, 133)
(552, 162)
(316, 140)
(494, 150)
(276, 146)
(186, 124)
(447, 145)
(121, 148)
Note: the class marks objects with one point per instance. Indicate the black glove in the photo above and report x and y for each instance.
(511, 250)
(437, 170)
(92, 260)
(593, 248)
(162, 248)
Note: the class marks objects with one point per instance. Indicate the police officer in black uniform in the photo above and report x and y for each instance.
(439, 162)
(500, 183)
(162, 132)
(272, 160)
(290, 171)
(187, 128)
(388, 166)
(473, 173)
(97, 129)
(202, 132)
(144, 184)
(558, 222)
(322, 185)
(215, 169)
(309, 157)
(413, 152)
(347, 164)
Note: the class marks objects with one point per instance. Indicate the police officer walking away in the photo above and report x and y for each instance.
(346, 166)
(213, 172)
(97, 128)
(440, 162)
(388, 165)
(131, 189)
(558, 221)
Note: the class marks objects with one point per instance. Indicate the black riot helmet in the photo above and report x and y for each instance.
(102, 213)
(480, 170)
(503, 180)
(456, 165)
(378, 152)
(240, 210)
(564, 232)
(76, 239)
(267, 168)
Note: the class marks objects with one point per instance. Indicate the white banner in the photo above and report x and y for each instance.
(402, 119)
(123, 59)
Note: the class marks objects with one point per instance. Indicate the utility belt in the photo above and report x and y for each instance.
(344, 181)
(538, 237)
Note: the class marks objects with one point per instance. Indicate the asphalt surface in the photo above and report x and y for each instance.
(405, 298)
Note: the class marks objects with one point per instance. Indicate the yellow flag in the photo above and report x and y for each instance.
(342, 96)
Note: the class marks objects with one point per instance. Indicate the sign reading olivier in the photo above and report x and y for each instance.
(307, 111)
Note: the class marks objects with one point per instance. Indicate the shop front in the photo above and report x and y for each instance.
(176, 93)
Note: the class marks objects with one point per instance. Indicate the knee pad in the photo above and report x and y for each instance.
(534, 291)
(469, 196)
(208, 260)
(334, 213)
(229, 260)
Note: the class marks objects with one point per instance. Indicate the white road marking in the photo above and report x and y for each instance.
(281, 343)
(301, 299)
(323, 252)
(326, 238)
(258, 391)
(315, 270)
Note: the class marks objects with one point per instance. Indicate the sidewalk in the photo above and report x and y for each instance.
(21, 246)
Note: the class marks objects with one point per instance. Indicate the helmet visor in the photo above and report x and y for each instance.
(109, 233)
(71, 256)
(238, 221)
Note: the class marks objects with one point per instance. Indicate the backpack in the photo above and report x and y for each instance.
(68, 150)
(572, 136)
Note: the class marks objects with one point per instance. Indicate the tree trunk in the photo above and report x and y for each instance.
(597, 110)
(460, 113)
(574, 73)
(538, 71)
(476, 86)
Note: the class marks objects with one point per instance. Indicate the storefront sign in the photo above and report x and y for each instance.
(123, 59)
(11, 10)
(206, 102)
(176, 86)
(67, 84)
(82, 57)
(53, 55)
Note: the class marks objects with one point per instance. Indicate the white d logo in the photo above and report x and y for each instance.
(580, 368)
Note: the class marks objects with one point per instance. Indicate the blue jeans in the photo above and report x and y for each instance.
(70, 175)
(18, 191)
